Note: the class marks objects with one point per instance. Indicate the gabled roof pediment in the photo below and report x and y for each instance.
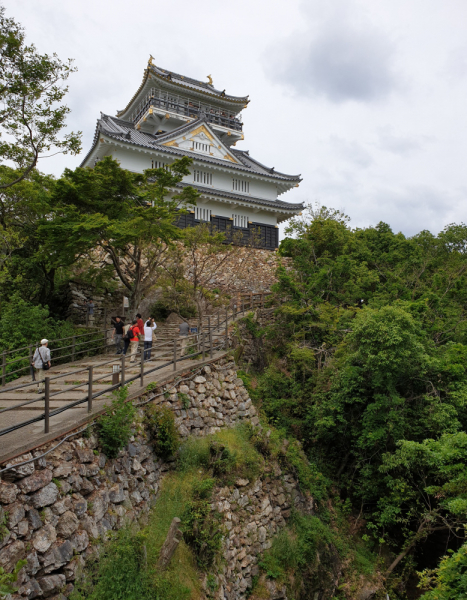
(198, 137)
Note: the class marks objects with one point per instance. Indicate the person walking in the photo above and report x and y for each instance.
(134, 340)
(117, 334)
(149, 328)
(90, 312)
(41, 362)
(183, 331)
(126, 339)
(140, 323)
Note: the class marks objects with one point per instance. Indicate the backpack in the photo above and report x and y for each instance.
(129, 335)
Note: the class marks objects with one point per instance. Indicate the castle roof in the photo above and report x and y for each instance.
(178, 83)
(125, 132)
(242, 199)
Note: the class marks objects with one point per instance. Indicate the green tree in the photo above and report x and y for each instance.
(191, 267)
(425, 490)
(24, 267)
(32, 114)
(110, 221)
(448, 581)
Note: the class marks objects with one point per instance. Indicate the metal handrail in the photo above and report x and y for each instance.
(205, 341)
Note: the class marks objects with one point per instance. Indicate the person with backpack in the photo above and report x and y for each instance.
(41, 363)
(133, 336)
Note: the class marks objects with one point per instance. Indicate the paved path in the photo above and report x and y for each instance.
(21, 440)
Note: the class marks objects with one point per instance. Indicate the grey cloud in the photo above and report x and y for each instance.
(401, 145)
(351, 151)
(340, 63)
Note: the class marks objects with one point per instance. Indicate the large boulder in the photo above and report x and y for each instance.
(36, 481)
(67, 524)
(44, 538)
(46, 496)
(10, 555)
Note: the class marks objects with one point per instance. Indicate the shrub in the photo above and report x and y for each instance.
(161, 423)
(115, 427)
(201, 527)
(7, 580)
(228, 454)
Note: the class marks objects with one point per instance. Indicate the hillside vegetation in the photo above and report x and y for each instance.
(366, 366)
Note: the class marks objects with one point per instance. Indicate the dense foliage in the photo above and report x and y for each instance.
(367, 367)
(114, 427)
(32, 114)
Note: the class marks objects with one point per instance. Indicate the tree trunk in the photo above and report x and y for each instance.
(172, 540)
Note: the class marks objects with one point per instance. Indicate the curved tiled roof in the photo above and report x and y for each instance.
(187, 83)
(125, 132)
(275, 204)
(190, 83)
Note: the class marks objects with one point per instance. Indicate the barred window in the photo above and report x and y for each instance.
(240, 221)
(201, 147)
(202, 214)
(157, 164)
(202, 177)
(240, 185)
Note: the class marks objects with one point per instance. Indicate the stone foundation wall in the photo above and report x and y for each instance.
(253, 513)
(213, 399)
(55, 511)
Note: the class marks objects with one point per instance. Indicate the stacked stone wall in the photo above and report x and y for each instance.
(58, 508)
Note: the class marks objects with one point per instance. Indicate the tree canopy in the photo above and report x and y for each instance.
(32, 112)
(367, 367)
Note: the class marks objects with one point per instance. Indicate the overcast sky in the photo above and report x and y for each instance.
(365, 98)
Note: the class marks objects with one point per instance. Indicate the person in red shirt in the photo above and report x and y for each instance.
(140, 324)
(134, 341)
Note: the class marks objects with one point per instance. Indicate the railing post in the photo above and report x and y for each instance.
(219, 320)
(123, 369)
(90, 371)
(105, 317)
(202, 345)
(30, 361)
(87, 317)
(46, 404)
(243, 307)
(4, 368)
(210, 339)
(105, 338)
(251, 301)
(175, 355)
(210, 336)
(73, 346)
(142, 367)
(226, 329)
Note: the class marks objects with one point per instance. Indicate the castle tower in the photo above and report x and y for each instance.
(171, 116)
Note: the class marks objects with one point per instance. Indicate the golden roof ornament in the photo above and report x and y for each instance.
(209, 79)
(151, 58)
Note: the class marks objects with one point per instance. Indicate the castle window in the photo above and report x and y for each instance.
(240, 185)
(202, 214)
(202, 177)
(240, 221)
(157, 164)
(201, 147)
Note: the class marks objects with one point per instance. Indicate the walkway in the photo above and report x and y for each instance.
(25, 439)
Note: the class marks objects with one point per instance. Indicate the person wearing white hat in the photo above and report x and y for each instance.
(41, 362)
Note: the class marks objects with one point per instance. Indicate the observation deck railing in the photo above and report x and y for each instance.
(213, 335)
(188, 108)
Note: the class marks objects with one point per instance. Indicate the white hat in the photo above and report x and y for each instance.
(44, 341)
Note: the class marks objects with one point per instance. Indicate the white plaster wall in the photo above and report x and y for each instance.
(137, 161)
